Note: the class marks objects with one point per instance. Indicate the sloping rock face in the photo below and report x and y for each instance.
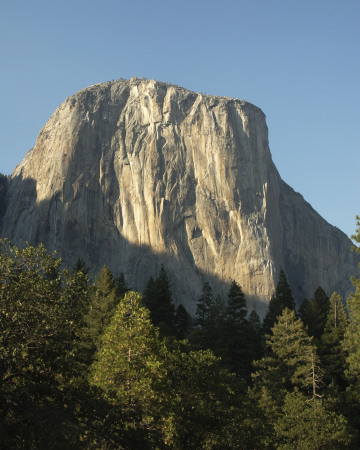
(137, 173)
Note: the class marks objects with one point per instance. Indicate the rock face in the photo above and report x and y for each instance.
(138, 173)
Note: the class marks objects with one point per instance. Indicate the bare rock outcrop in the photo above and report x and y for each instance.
(136, 173)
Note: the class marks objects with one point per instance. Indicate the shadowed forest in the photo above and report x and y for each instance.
(93, 364)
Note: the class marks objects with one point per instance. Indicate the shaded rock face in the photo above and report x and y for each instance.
(137, 173)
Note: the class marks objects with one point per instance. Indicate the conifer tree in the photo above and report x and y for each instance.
(103, 302)
(158, 299)
(209, 332)
(283, 292)
(81, 266)
(128, 348)
(304, 310)
(149, 293)
(314, 313)
(121, 286)
(203, 306)
(183, 322)
(213, 334)
(128, 365)
(282, 299)
(288, 388)
(237, 355)
(289, 352)
(331, 350)
(236, 307)
(255, 336)
(309, 425)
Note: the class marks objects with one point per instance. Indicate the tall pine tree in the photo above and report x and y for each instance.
(237, 355)
(103, 302)
(158, 299)
(282, 299)
(314, 313)
(331, 351)
(204, 304)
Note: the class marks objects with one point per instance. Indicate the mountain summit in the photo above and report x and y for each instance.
(135, 173)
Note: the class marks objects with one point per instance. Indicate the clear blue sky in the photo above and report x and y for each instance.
(297, 60)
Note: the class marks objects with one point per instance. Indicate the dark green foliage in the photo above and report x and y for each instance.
(304, 310)
(183, 322)
(282, 299)
(205, 403)
(236, 333)
(104, 299)
(310, 425)
(331, 351)
(149, 293)
(289, 354)
(81, 266)
(158, 299)
(84, 366)
(40, 316)
(283, 292)
(254, 336)
(185, 399)
(314, 313)
(209, 319)
(236, 307)
(322, 300)
(121, 286)
(226, 331)
(203, 305)
(287, 377)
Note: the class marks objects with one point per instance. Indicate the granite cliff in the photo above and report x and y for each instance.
(136, 173)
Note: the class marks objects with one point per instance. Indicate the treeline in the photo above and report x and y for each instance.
(96, 365)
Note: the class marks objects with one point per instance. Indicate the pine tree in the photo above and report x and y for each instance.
(203, 306)
(121, 286)
(314, 313)
(282, 299)
(103, 302)
(128, 366)
(331, 350)
(309, 425)
(81, 266)
(149, 293)
(236, 308)
(204, 403)
(289, 357)
(158, 299)
(237, 355)
(304, 310)
(289, 391)
(213, 334)
(254, 336)
(183, 322)
(209, 323)
(283, 292)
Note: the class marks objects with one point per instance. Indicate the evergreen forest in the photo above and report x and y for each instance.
(93, 364)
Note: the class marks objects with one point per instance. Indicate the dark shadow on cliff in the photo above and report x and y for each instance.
(95, 239)
(56, 226)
